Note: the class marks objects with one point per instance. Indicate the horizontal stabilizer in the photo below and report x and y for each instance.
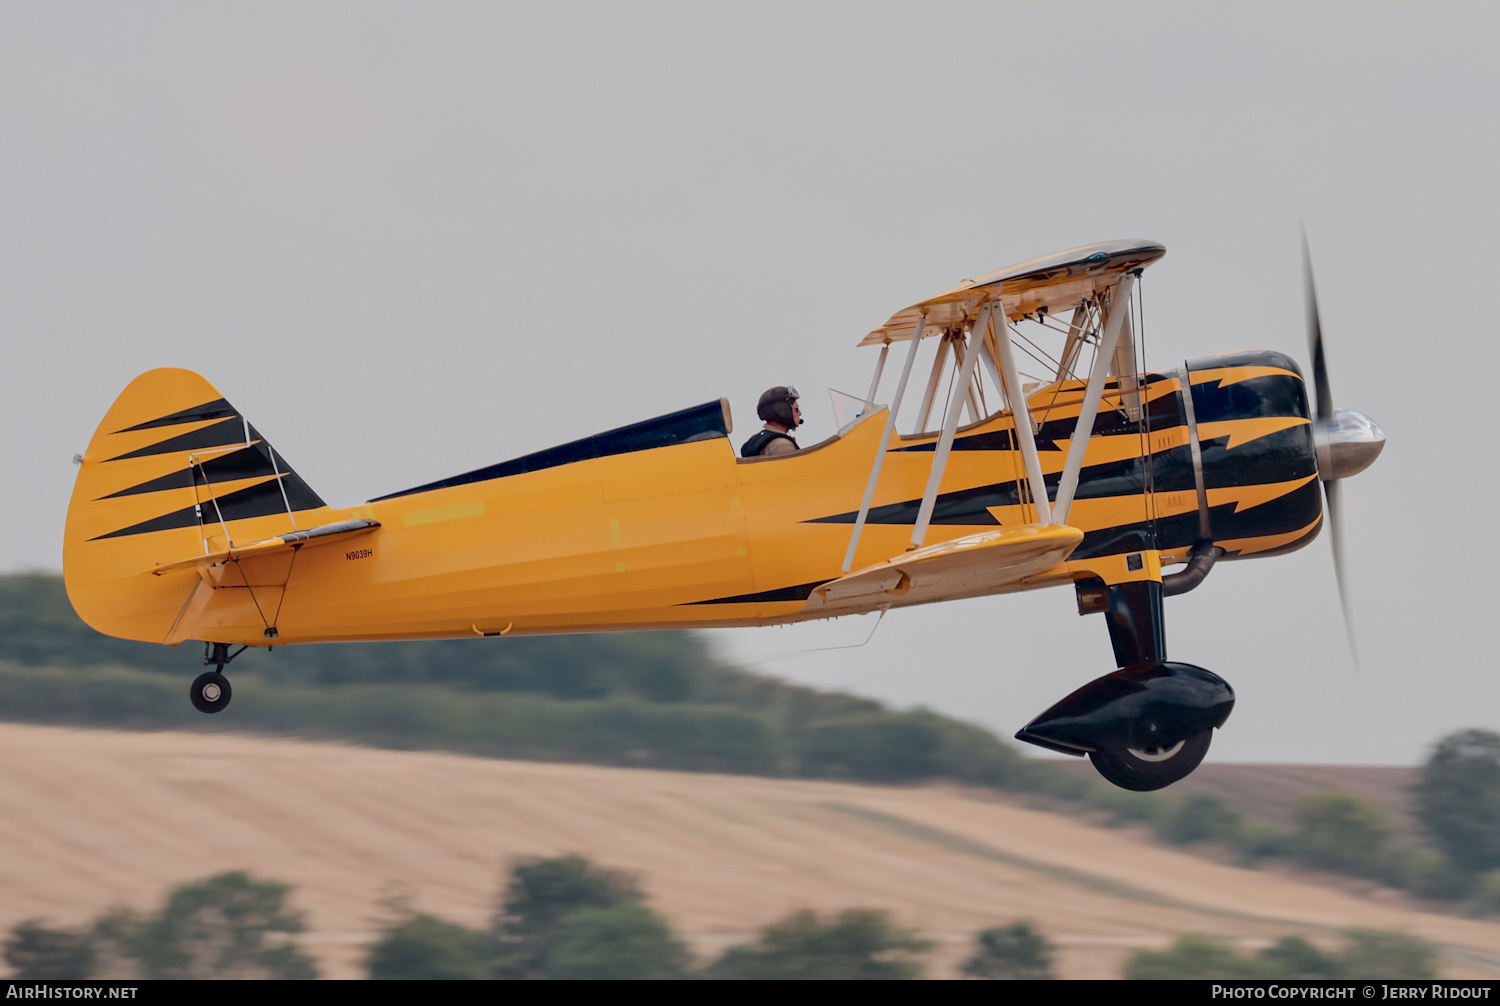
(975, 564)
(292, 539)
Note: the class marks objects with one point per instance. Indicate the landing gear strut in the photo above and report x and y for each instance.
(1149, 723)
(211, 692)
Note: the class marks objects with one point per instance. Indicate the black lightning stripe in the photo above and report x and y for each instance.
(1283, 515)
(799, 592)
(994, 440)
(1288, 513)
(1282, 456)
(1164, 412)
(701, 422)
(261, 500)
(1270, 395)
(1173, 471)
(224, 434)
(218, 409)
(246, 463)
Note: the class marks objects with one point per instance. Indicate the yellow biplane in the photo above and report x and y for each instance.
(185, 524)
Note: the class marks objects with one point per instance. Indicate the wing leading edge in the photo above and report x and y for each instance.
(1057, 282)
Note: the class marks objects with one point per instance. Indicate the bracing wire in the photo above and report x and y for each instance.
(853, 646)
(1045, 359)
(1081, 319)
(1143, 379)
(952, 379)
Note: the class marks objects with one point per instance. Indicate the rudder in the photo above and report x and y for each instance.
(172, 471)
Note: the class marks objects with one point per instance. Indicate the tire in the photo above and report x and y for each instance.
(210, 692)
(1146, 770)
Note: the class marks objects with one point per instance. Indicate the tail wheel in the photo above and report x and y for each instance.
(1145, 769)
(210, 692)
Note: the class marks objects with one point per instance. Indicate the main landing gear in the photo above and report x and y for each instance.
(211, 692)
(1144, 769)
(1148, 724)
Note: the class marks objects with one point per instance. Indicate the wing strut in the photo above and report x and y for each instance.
(885, 437)
(1119, 307)
(885, 351)
(971, 396)
(1020, 413)
(991, 340)
(945, 343)
(950, 425)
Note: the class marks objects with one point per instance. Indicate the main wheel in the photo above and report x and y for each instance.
(210, 692)
(1144, 769)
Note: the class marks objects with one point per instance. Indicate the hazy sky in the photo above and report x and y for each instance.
(412, 239)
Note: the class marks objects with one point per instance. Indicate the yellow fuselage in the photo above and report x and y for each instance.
(664, 537)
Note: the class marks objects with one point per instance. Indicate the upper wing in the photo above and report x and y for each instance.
(964, 567)
(1054, 282)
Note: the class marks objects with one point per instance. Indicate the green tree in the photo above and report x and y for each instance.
(36, 952)
(627, 941)
(539, 895)
(1336, 831)
(1261, 840)
(1487, 895)
(222, 927)
(1200, 816)
(114, 939)
(1373, 954)
(426, 948)
(1015, 951)
(858, 944)
(1458, 798)
(1294, 957)
(1430, 873)
(878, 746)
(1192, 957)
(1367, 954)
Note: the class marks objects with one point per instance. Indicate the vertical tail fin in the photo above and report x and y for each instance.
(173, 471)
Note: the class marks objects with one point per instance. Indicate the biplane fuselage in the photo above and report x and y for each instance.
(676, 535)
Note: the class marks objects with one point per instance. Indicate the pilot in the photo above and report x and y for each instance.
(779, 408)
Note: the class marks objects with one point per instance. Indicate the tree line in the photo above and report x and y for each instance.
(563, 918)
(558, 918)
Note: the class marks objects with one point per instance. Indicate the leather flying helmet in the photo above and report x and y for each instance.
(775, 406)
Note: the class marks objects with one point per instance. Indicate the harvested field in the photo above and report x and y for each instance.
(94, 818)
(1269, 792)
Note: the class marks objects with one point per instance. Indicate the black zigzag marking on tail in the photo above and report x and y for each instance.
(218, 409)
(225, 434)
(255, 459)
(246, 463)
(261, 500)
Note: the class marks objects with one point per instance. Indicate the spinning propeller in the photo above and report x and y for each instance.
(1347, 442)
